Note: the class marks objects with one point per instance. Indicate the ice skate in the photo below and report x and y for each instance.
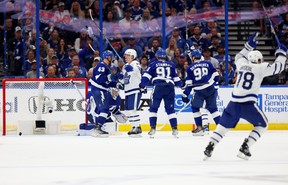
(206, 129)
(152, 132)
(244, 152)
(175, 132)
(135, 132)
(98, 132)
(199, 131)
(208, 151)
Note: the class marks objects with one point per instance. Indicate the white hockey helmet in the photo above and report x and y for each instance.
(131, 52)
(254, 56)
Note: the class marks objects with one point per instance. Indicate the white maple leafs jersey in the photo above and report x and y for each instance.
(250, 76)
(132, 78)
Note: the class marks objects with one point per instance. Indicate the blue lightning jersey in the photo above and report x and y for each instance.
(100, 79)
(201, 75)
(161, 73)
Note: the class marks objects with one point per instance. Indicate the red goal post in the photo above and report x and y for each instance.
(47, 99)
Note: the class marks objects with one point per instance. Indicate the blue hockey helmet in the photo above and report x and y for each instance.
(161, 53)
(108, 53)
(196, 53)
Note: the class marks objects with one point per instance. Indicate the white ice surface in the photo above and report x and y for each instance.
(120, 160)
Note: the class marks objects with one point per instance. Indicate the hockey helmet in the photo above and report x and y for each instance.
(254, 56)
(131, 52)
(161, 53)
(108, 53)
(196, 53)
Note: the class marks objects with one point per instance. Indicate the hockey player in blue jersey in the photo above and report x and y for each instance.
(203, 78)
(163, 77)
(250, 72)
(103, 84)
(132, 76)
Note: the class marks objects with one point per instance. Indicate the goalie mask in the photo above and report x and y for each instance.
(255, 56)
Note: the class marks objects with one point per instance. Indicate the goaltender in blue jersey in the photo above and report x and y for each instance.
(250, 72)
(163, 76)
(203, 78)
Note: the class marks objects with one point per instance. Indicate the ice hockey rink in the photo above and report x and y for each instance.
(120, 160)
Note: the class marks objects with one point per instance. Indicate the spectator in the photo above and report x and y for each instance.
(145, 18)
(152, 51)
(33, 72)
(43, 47)
(136, 10)
(144, 64)
(51, 72)
(231, 74)
(197, 39)
(56, 65)
(76, 11)
(176, 57)
(171, 48)
(117, 10)
(176, 34)
(80, 71)
(207, 56)
(16, 53)
(220, 55)
(126, 21)
(54, 39)
(30, 59)
(131, 44)
(180, 66)
(153, 12)
(71, 73)
(62, 50)
(86, 53)
(61, 13)
(68, 61)
(109, 17)
(80, 42)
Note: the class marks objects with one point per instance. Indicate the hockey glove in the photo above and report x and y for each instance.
(128, 68)
(281, 50)
(251, 43)
(120, 86)
(185, 98)
(113, 77)
(142, 89)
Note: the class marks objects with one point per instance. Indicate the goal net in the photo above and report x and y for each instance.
(51, 106)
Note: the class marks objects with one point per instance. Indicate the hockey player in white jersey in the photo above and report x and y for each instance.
(250, 72)
(131, 81)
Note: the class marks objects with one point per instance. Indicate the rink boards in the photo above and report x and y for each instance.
(273, 101)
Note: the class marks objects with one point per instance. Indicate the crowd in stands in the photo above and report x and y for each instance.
(64, 53)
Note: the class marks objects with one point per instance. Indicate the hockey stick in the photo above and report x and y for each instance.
(271, 25)
(74, 85)
(121, 59)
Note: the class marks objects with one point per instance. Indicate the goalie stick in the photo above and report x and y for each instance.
(271, 25)
(121, 59)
